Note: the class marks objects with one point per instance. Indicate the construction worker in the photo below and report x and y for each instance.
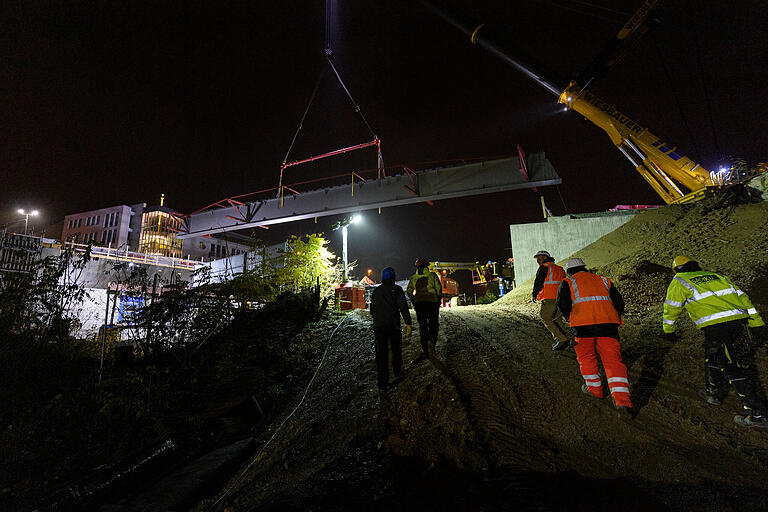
(426, 293)
(387, 304)
(593, 306)
(720, 309)
(548, 279)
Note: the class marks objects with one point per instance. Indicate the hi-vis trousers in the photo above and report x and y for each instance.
(609, 349)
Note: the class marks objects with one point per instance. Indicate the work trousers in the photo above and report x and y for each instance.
(553, 320)
(609, 349)
(721, 366)
(384, 337)
(428, 316)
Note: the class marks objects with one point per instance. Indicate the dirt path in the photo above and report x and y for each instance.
(496, 418)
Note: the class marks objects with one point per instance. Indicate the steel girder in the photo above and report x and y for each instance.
(430, 185)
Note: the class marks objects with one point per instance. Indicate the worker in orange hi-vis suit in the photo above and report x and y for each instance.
(593, 307)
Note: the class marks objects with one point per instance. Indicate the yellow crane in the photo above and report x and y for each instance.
(675, 177)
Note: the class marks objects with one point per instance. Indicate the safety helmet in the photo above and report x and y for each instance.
(574, 263)
(680, 261)
(490, 262)
(421, 262)
(542, 253)
(388, 273)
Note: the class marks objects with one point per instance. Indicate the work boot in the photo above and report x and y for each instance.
(710, 397)
(624, 412)
(749, 420)
(560, 345)
(585, 390)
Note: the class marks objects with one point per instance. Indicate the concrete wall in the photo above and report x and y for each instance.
(226, 268)
(561, 236)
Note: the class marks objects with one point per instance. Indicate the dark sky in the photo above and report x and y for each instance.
(106, 103)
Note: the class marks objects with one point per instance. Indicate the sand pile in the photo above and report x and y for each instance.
(731, 239)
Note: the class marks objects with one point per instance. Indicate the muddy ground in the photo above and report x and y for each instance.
(495, 420)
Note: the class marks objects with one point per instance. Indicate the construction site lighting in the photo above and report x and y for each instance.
(26, 215)
(356, 219)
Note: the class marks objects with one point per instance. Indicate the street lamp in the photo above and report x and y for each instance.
(343, 224)
(26, 215)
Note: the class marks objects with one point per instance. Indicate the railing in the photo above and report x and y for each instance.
(136, 257)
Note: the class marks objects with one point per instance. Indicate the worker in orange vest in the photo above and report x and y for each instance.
(548, 279)
(593, 306)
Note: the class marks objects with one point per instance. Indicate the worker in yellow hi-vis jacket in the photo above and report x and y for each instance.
(723, 312)
(426, 292)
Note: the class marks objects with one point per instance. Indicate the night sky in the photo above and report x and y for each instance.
(106, 103)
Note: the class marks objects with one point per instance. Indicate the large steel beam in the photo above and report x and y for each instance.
(429, 185)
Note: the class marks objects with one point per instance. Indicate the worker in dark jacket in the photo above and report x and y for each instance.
(387, 305)
(548, 279)
(593, 307)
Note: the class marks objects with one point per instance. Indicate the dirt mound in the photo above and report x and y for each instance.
(729, 239)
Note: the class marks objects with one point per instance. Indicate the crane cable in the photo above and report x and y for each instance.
(677, 99)
(328, 53)
(695, 34)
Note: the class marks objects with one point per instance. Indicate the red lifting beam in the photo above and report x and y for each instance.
(375, 142)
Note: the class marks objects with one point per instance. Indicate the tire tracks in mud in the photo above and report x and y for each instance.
(481, 374)
(531, 399)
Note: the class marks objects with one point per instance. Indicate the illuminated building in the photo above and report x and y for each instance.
(159, 227)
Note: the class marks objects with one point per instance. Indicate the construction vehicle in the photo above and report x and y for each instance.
(675, 177)
(479, 271)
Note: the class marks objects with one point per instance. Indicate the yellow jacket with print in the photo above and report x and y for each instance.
(425, 287)
(709, 298)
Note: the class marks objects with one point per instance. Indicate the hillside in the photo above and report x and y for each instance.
(497, 420)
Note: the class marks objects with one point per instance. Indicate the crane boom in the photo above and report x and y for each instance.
(675, 177)
(660, 163)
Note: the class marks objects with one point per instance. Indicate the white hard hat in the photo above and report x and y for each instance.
(574, 262)
(542, 253)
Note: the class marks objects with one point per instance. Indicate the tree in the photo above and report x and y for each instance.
(305, 262)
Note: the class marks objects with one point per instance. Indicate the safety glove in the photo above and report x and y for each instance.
(408, 331)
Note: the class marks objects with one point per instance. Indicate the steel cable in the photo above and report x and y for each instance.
(304, 396)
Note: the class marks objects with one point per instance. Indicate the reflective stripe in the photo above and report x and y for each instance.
(594, 384)
(617, 379)
(591, 299)
(669, 322)
(591, 377)
(752, 311)
(721, 314)
(551, 282)
(698, 296)
(620, 390)
(577, 298)
(673, 303)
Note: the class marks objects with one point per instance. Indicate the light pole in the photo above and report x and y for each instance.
(343, 224)
(26, 215)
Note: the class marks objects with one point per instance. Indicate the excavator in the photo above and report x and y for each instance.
(675, 177)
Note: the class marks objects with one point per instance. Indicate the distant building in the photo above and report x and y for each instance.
(148, 230)
(117, 226)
